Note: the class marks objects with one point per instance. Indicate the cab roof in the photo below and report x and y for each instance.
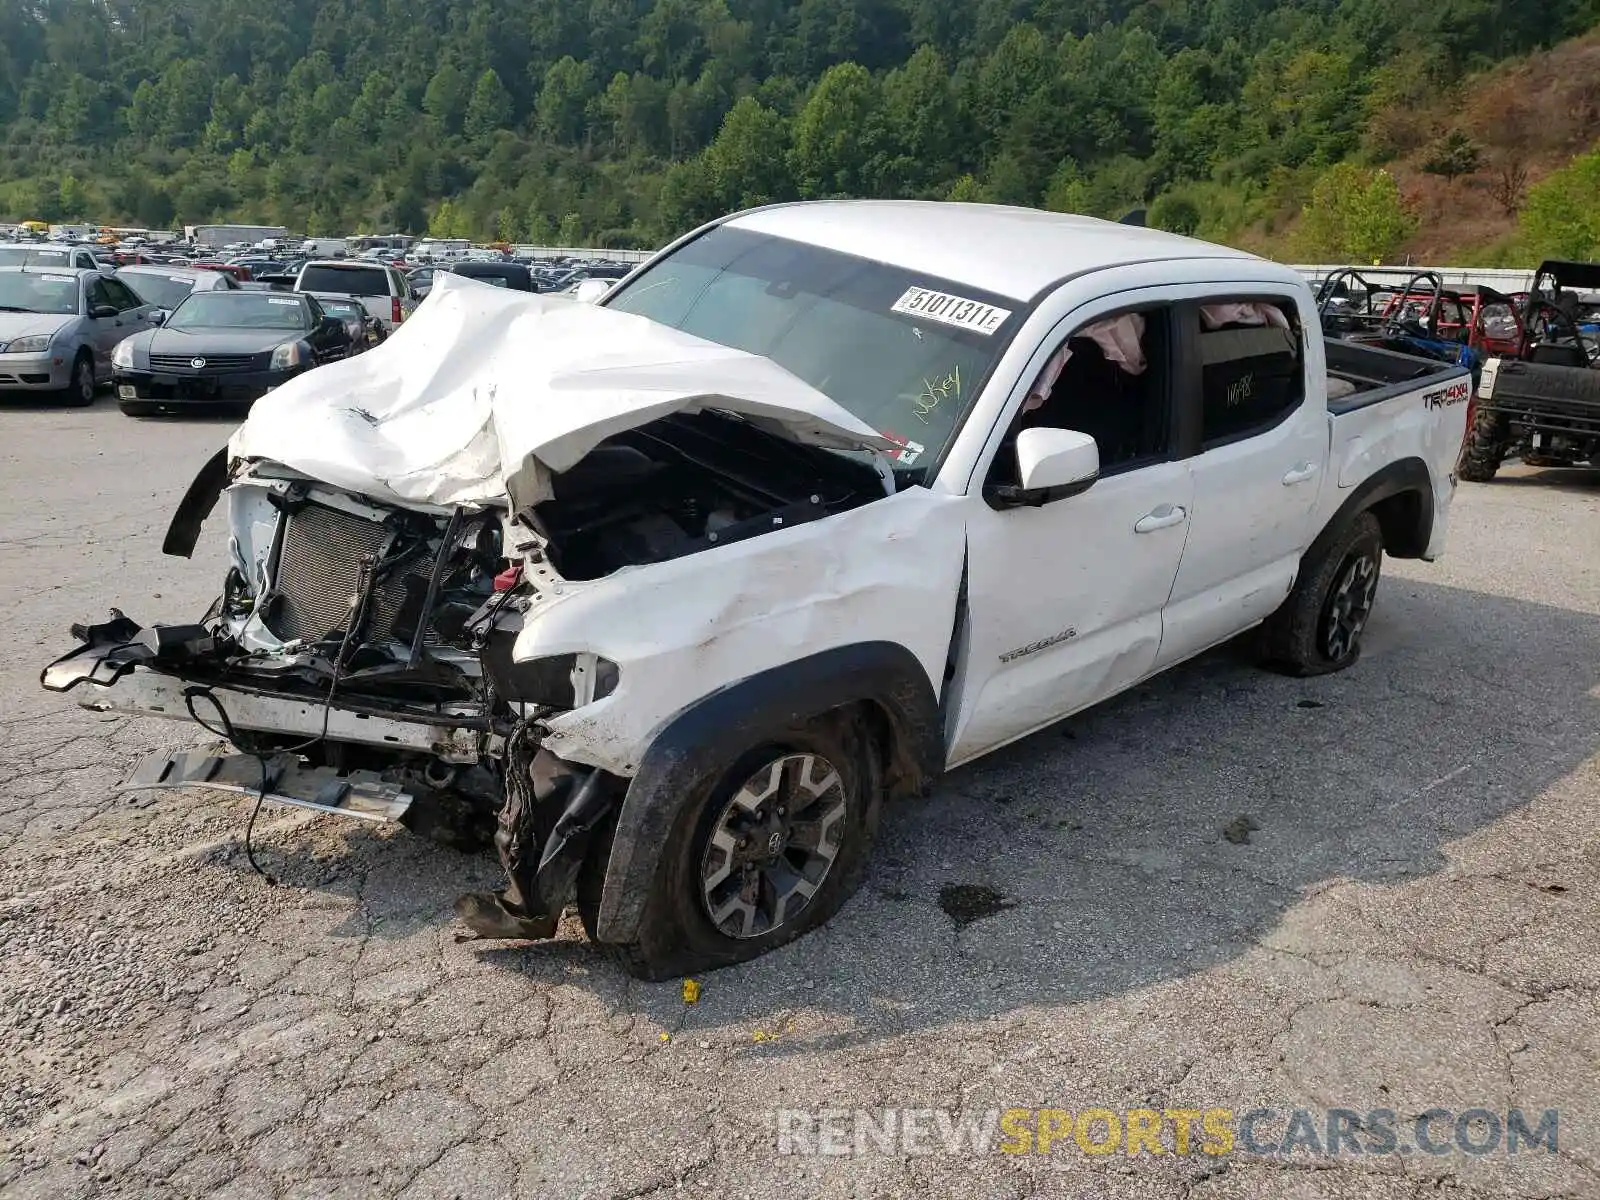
(1016, 252)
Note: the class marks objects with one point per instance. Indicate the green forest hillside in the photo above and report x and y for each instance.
(622, 122)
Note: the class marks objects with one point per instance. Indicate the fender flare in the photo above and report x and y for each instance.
(696, 745)
(1401, 492)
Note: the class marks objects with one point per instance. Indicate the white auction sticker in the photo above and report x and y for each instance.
(58, 278)
(286, 303)
(951, 310)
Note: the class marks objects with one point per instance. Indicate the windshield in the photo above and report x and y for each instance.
(240, 310)
(54, 294)
(165, 291)
(903, 351)
(352, 281)
(31, 256)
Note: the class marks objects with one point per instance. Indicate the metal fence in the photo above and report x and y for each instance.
(1499, 279)
(585, 252)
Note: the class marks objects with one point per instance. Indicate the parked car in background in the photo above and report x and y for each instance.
(240, 274)
(365, 329)
(510, 275)
(420, 280)
(58, 328)
(223, 347)
(168, 287)
(78, 258)
(381, 288)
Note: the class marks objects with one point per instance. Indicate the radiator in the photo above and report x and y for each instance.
(319, 578)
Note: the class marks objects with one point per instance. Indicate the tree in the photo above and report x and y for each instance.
(1453, 155)
(446, 98)
(1356, 215)
(1561, 218)
(1509, 185)
(832, 134)
(918, 127)
(746, 159)
(1175, 213)
(564, 100)
(448, 221)
(490, 106)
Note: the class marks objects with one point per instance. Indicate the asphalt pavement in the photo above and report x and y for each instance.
(1227, 890)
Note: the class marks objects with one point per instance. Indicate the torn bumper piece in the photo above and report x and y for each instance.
(282, 779)
(129, 669)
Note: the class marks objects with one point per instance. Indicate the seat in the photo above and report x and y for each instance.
(1557, 354)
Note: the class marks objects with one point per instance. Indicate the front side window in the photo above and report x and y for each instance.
(1109, 379)
(903, 351)
(1252, 368)
(121, 296)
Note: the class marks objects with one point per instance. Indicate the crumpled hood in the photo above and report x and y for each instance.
(21, 325)
(483, 393)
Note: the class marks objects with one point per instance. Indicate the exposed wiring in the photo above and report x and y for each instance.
(264, 754)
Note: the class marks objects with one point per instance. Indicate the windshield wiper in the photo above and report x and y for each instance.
(14, 308)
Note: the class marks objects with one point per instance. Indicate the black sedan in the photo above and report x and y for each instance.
(225, 348)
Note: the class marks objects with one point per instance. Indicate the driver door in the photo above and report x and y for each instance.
(1065, 599)
(104, 332)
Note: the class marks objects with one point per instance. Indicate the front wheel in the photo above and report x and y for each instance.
(1318, 629)
(767, 852)
(1485, 448)
(79, 391)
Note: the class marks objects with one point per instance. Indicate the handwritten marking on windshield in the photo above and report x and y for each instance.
(934, 391)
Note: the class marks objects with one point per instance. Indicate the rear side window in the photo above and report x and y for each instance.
(1252, 368)
(351, 281)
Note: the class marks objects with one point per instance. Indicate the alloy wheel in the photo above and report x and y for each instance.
(772, 845)
(1349, 605)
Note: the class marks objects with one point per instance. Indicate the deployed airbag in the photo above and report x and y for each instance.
(483, 394)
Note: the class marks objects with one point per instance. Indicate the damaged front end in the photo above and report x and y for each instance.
(349, 667)
(458, 594)
(363, 658)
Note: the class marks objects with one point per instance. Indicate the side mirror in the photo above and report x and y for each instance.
(101, 312)
(159, 317)
(591, 291)
(1052, 464)
(332, 325)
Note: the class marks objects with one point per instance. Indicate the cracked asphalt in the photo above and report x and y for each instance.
(1413, 924)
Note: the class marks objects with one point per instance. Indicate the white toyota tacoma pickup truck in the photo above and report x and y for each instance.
(820, 502)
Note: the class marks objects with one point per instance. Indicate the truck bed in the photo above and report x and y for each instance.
(1372, 375)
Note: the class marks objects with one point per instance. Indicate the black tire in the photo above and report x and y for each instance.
(677, 935)
(1485, 447)
(1318, 629)
(79, 393)
(138, 408)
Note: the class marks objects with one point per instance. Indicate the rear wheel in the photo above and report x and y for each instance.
(1318, 629)
(769, 851)
(1485, 447)
(79, 392)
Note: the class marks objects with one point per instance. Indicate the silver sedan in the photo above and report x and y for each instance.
(58, 328)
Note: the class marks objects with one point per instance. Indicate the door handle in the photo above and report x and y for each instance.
(1299, 474)
(1164, 517)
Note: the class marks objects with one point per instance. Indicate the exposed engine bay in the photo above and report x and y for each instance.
(368, 649)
